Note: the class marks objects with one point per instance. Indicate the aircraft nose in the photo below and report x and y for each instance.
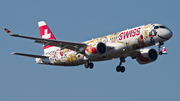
(165, 34)
(169, 35)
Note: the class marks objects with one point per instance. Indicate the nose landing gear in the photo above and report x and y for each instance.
(120, 68)
(159, 46)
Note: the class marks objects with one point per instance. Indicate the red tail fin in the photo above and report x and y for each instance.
(45, 31)
(47, 34)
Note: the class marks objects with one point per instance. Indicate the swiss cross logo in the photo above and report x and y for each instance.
(46, 34)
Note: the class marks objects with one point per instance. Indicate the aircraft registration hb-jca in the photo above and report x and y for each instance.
(127, 43)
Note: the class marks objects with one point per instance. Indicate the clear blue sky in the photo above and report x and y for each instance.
(80, 20)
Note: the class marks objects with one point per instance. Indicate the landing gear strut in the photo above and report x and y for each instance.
(88, 64)
(159, 46)
(120, 68)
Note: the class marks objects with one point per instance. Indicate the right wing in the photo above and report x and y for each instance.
(76, 46)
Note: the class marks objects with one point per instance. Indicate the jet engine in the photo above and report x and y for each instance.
(95, 49)
(146, 56)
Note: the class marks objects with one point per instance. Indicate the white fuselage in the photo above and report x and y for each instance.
(121, 44)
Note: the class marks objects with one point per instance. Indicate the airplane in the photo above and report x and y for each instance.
(127, 43)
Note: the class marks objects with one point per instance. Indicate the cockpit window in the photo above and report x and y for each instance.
(163, 27)
(156, 27)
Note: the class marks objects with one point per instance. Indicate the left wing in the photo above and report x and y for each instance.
(76, 46)
(30, 55)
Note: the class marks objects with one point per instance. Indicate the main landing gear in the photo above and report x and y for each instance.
(159, 46)
(88, 65)
(120, 68)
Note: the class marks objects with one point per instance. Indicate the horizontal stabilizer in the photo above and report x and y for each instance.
(30, 55)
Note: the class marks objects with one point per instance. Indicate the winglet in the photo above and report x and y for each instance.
(8, 31)
(13, 53)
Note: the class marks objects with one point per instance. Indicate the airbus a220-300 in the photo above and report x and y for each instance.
(127, 43)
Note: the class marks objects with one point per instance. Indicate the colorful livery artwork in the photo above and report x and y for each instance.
(127, 43)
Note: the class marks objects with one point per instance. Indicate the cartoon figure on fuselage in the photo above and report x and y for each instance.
(127, 43)
(113, 37)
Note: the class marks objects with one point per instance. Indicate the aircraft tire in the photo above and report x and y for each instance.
(118, 68)
(122, 69)
(86, 65)
(91, 65)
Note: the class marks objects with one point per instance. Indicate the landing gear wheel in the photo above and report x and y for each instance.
(91, 65)
(120, 69)
(86, 65)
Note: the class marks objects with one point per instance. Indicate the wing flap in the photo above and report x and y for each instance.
(30, 55)
(63, 44)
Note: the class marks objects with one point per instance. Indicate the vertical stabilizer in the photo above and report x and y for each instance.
(47, 34)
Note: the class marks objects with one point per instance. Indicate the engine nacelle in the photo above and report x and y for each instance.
(95, 49)
(146, 56)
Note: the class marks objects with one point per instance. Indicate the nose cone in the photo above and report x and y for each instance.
(165, 34)
(168, 34)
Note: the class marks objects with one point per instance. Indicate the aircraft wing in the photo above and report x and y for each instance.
(30, 55)
(76, 46)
